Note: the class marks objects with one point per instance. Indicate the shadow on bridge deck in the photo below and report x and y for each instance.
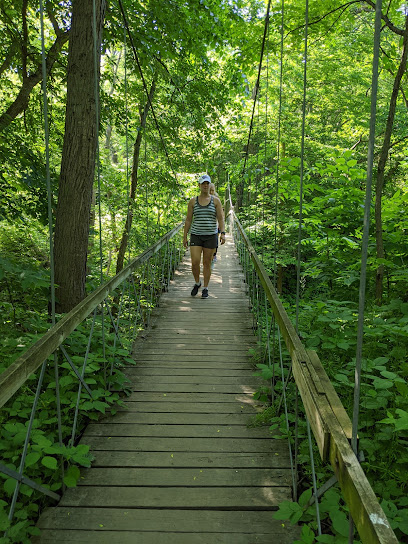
(179, 464)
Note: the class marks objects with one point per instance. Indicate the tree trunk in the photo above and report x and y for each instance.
(78, 156)
(382, 162)
(136, 153)
(239, 196)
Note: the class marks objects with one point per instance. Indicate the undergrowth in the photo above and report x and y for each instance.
(329, 327)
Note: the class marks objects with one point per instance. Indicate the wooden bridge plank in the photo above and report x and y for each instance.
(186, 477)
(189, 371)
(192, 388)
(212, 335)
(51, 536)
(220, 498)
(186, 459)
(164, 520)
(197, 339)
(196, 349)
(194, 379)
(173, 431)
(191, 407)
(143, 396)
(193, 361)
(215, 445)
(176, 418)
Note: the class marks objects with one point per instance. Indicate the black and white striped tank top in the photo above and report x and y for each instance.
(204, 218)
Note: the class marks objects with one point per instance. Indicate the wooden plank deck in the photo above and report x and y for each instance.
(180, 465)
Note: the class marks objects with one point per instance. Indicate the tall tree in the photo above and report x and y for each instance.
(386, 145)
(143, 111)
(78, 154)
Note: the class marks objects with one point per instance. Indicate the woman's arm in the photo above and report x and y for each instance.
(188, 221)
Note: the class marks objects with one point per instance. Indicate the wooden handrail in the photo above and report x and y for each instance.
(18, 372)
(328, 419)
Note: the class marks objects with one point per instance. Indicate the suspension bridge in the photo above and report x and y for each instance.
(181, 461)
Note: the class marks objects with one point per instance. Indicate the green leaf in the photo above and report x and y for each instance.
(400, 424)
(71, 476)
(287, 509)
(308, 536)
(10, 485)
(326, 539)
(41, 440)
(340, 522)
(343, 345)
(4, 521)
(379, 383)
(100, 406)
(305, 497)
(50, 462)
(32, 458)
(65, 381)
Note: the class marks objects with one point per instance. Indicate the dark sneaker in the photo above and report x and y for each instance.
(195, 289)
(204, 294)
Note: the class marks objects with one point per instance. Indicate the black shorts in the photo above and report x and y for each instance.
(204, 240)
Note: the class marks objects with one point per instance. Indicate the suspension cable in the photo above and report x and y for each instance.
(366, 229)
(50, 218)
(127, 142)
(265, 168)
(146, 190)
(302, 154)
(98, 165)
(96, 89)
(278, 147)
(145, 86)
(257, 83)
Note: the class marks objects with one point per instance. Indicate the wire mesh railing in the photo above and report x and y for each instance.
(291, 370)
(71, 374)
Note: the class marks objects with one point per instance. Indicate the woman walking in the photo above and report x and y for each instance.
(203, 212)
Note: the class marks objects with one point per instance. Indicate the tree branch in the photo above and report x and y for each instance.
(404, 96)
(397, 142)
(314, 22)
(386, 19)
(53, 20)
(20, 104)
(343, 7)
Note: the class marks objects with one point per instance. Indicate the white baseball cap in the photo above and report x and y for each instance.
(203, 178)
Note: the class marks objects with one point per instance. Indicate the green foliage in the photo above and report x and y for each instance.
(48, 462)
(205, 75)
(333, 517)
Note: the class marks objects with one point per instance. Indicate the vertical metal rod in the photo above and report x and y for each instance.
(292, 468)
(139, 298)
(295, 491)
(170, 264)
(74, 425)
(309, 436)
(258, 310)
(27, 440)
(268, 347)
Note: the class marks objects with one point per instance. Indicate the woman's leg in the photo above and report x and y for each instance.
(195, 252)
(207, 258)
